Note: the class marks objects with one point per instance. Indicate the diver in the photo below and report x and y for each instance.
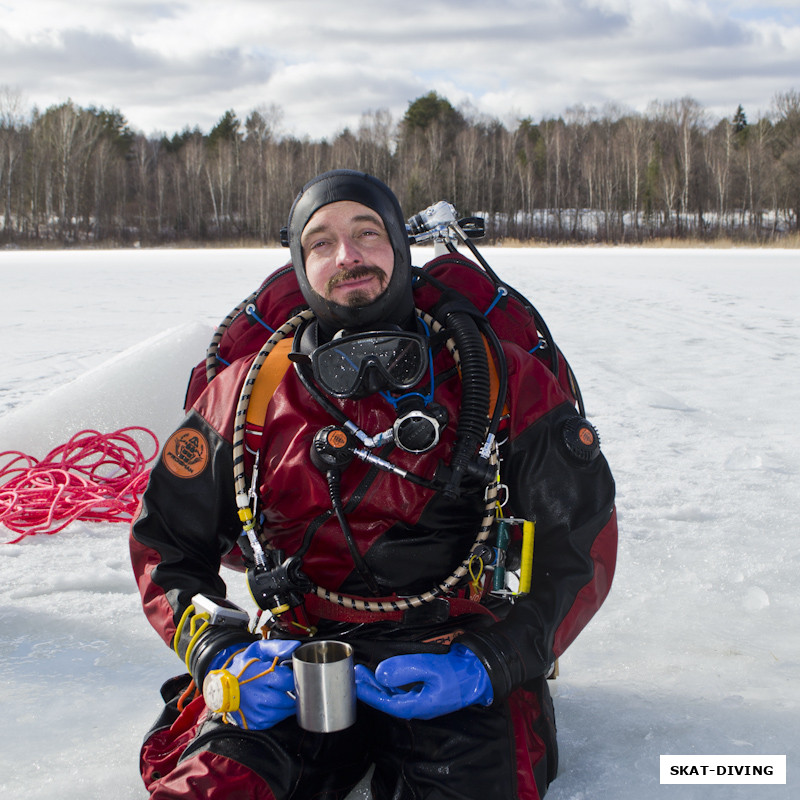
(371, 518)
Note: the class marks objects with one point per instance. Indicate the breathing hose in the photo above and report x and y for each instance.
(474, 411)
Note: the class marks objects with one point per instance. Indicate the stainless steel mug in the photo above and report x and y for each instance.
(325, 684)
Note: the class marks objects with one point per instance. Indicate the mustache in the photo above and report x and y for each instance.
(361, 271)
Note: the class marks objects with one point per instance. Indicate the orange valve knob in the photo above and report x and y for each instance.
(332, 448)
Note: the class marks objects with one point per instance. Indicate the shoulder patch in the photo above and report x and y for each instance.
(186, 453)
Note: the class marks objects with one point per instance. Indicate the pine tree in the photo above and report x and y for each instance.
(739, 120)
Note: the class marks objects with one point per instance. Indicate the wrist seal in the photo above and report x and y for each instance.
(500, 658)
(215, 638)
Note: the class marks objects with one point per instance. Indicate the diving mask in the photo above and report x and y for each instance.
(372, 361)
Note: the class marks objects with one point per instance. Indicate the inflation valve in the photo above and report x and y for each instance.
(580, 438)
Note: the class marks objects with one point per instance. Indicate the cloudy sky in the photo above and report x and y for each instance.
(180, 63)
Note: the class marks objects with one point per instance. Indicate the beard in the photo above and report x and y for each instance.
(360, 297)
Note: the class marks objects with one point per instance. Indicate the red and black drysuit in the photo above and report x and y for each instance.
(411, 538)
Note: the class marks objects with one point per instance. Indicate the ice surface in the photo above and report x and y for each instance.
(689, 362)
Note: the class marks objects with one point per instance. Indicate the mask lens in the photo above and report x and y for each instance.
(341, 365)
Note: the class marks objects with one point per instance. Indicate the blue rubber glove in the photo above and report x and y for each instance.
(425, 685)
(250, 685)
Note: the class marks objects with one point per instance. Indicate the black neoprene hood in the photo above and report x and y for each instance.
(395, 305)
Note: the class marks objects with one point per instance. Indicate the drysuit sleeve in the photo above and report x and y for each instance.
(569, 492)
(187, 522)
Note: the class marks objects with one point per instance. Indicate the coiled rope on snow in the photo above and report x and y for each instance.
(94, 477)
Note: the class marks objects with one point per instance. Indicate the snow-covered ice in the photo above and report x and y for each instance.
(689, 361)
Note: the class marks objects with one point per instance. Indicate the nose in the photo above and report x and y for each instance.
(348, 254)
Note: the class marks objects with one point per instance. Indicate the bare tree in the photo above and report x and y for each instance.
(79, 174)
(787, 132)
(262, 130)
(69, 135)
(718, 149)
(11, 147)
(633, 144)
(192, 159)
(377, 132)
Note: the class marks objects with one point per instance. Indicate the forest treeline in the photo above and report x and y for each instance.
(71, 175)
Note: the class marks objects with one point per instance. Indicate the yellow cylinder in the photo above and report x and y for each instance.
(526, 557)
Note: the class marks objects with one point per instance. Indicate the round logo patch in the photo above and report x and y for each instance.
(337, 438)
(186, 453)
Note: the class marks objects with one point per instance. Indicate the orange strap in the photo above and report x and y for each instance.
(494, 380)
(269, 376)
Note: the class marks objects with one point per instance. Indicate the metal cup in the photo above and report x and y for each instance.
(325, 684)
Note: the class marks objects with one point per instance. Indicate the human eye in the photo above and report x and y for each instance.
(371, 233)
(316, 244)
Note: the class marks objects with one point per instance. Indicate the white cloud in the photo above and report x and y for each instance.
(167, 65)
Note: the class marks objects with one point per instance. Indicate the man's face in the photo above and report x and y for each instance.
(349, 258)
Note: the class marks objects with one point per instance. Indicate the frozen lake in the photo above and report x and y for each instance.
(689, 362)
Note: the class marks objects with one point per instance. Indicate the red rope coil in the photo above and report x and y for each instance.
(94, 477)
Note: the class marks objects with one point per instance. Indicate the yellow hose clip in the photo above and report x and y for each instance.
(246, 516)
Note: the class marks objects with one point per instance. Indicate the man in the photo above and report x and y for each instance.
(348, 255)
(451, 682)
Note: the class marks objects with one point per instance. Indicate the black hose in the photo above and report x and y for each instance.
(475, 392)
(334, 489)
(303, 371)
